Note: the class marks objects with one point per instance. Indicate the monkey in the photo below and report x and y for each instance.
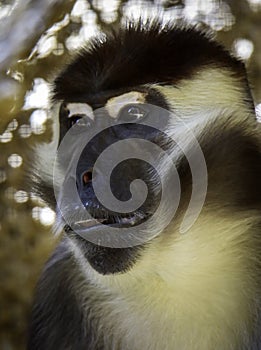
(200, 289)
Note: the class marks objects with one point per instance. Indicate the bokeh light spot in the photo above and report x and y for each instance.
(15, 161)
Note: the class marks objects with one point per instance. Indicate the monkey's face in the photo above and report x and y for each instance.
(125, 132)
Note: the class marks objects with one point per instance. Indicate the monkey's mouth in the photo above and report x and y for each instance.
(112, 221)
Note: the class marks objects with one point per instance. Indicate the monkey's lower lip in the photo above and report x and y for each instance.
(90, 224)
(85, 224)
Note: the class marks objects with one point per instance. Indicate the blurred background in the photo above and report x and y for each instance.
(36, 38)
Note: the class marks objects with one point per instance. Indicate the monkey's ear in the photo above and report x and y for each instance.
(40, 173)
(40, 162)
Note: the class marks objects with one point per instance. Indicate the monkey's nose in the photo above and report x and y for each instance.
(87, 177)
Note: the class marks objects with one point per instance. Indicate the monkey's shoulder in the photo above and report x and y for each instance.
(58, 320)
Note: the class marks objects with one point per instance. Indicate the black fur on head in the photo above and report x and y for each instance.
(141, 54)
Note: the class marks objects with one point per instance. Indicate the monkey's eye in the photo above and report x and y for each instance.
(80, 121)
(80, 114)
(73, 120)
(131, 113)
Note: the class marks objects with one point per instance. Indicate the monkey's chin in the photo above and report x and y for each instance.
(104, 259)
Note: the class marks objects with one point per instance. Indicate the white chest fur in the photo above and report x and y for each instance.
(195, 292)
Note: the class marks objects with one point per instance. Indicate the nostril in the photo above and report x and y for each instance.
(87, 177)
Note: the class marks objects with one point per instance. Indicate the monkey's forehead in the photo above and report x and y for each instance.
(138, 55)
